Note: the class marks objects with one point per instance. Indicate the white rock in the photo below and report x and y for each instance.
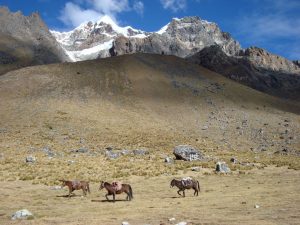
(182, 223)
(256, 206)
(21, 214)
(30, 159)
(125, 223)
(172, 219)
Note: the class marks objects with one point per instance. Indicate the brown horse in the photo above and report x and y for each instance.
(76, 185)
(194, 184)
(111, 190)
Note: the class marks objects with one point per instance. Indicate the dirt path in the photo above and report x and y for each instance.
(226, 199)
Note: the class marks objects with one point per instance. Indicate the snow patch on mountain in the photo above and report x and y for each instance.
(163, 29)
(91, 53)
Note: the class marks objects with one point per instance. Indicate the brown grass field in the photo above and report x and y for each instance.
(145, 102)
(227, 199)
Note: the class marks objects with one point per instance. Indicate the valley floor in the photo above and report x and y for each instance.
(224, 199)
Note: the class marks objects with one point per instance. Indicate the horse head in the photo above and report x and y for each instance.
(101, 185)
(172, 184)
(63, 182)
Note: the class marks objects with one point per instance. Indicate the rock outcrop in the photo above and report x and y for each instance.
(254, 67)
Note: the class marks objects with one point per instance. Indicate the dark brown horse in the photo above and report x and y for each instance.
(111, 190)
(76, 185)
(182, 185)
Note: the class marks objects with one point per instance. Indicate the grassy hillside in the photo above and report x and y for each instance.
(138, 101)
(147, 102)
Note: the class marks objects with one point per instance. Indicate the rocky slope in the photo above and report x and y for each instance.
(26, 40)
(181, 37)
(254, 67)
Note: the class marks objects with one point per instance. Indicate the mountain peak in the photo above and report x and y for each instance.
(107, 20)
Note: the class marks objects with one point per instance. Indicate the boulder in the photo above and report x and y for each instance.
(187, 153)
(222, 167)
(22, 214)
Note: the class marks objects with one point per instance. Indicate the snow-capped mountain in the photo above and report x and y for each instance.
(94, 39)
(180, 37)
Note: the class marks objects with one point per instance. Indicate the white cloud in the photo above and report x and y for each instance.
(73, 13)
(138, 6)
(174, 5)
(110, 7)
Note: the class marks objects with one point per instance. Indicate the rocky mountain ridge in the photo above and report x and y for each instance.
(254, 67)
(180, 37)
(26, 40)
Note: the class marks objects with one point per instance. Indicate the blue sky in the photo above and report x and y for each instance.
(270, 24)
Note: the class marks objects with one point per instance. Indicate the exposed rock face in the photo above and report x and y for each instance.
(181, 37)
(26, 40)
(254, 67)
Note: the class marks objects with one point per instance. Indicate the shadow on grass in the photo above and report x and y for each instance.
(67, 196)
(111, 201)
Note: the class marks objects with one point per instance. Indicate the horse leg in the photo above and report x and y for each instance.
(128, 198)
(114, 197)
(106, 196)
(70, 192)
(179, 191)
(183, 193)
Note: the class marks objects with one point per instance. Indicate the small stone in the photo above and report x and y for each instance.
(30, 159)
(182, 223)
(57, 187)
(196, 168)
(82, 150)
(204, 127)
(71, 161)
(112, 155)
(125, 223)
(126, 152)
(140, 152)
(172, 219)
(233, 160)
(22, 214)
(169, 160)
(256, 206)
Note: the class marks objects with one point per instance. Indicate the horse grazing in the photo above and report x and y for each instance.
(111, 190)
(186, 184)
(76, 185)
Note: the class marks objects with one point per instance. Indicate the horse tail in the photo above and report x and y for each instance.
(130, 192)
(198, 185)
(88, 187)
